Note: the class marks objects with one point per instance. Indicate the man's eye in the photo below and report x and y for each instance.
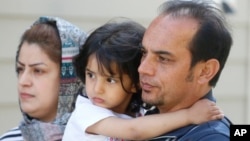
(163, 59)
(143, 51)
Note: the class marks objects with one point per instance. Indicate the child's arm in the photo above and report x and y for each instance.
(146, 127)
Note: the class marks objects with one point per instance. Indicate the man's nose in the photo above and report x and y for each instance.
(146, 66)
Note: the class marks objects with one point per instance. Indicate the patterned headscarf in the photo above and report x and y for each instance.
(71, 40)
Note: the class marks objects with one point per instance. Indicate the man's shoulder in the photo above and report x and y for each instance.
(217, 130)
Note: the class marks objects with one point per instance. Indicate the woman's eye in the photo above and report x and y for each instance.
(19, 70)
(38, 71)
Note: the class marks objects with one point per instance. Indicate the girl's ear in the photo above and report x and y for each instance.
(133, 88)
(209, 69)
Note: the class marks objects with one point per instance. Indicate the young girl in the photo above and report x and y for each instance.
(107, 64)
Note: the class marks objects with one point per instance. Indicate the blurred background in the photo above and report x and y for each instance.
(232, 91)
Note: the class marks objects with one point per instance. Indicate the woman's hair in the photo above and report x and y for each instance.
(46, 36)
(115, 43)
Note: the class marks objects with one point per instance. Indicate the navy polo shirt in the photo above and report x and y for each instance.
(216, 130)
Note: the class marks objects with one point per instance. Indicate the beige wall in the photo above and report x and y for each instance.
(232, 91)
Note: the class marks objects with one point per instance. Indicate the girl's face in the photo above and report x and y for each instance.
(105, 90)
(38, 82)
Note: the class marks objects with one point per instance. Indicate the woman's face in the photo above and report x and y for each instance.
(38, 82)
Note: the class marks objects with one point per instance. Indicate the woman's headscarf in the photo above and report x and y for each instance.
(72, 39)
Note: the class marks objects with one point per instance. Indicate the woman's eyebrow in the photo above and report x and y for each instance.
(31, 65)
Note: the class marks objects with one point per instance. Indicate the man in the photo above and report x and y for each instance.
(184, 51)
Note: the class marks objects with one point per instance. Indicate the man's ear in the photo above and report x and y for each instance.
(208, 70)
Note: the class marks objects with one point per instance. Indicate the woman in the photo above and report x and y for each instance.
(47, 84)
